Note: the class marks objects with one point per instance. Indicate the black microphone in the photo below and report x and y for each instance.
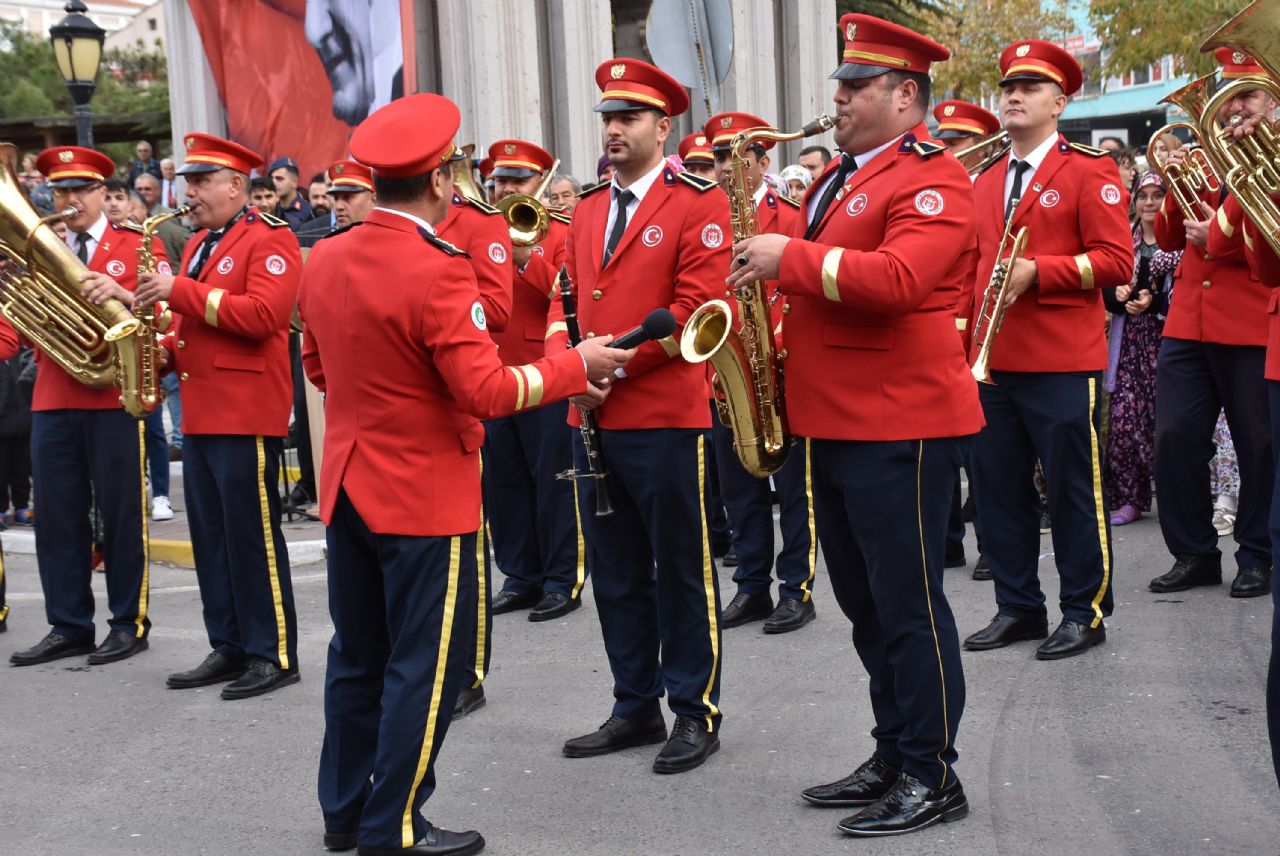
(658, 324)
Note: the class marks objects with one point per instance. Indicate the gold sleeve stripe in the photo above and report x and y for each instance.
(1248, 241)
(830, 268)
(556, 327)
(553, 293)
(515, 370)
(211, 304)
(535, 386)
(1225, 224)
(670, 345)
(1086, 271)
(962, 324)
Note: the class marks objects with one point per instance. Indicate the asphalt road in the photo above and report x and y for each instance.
(1154, 743)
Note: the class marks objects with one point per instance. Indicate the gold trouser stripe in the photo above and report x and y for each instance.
(482, 593)
(1086, 271)
(708, 585)
(811, 522)
(273, 572)
(928, 597)
(582, 545)
(4, 607)
(1103, 541)
(144, 595)
(830, 272)
(407, 838)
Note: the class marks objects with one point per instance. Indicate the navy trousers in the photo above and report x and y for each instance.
(533, 522)
(882, 519)
(1194, 381)
(231, 484)
(157, 453)
(655, 581)
(1055, 417)
(403, 608)
(747, 500)
(72, 450)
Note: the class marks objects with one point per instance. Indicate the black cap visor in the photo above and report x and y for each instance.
(857, 71)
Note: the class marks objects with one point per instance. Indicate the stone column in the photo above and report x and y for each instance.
(194, 104)
(581, 37)
(807, 54)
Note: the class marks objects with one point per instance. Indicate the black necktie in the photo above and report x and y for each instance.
(82, 246)
(206, 249)
(847, 165)
(1019, 169)
(623, 198)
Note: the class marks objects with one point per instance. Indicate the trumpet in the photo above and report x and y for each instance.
(528, 219)
(998, 143)
(991, 316)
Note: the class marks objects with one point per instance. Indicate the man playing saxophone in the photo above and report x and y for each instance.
(81, 439)
(745, 496)
(877, 380)
(1047, 364)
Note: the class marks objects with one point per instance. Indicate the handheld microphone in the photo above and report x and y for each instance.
(658, 324)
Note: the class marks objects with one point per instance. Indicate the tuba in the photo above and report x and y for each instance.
(1187, 180)
(464, 178)
(526, 215)
(140, 391)
(42, 298)
(991, 314)
(748, 377)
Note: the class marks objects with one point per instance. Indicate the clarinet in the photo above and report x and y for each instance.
(590, 432)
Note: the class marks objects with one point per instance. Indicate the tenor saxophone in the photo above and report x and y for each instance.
(139, 377)
(748, 374)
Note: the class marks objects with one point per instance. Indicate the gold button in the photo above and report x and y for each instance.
(786, 309)
(1208, 257)
(727, 292)
(182, 343)
(783, 354)
(184, 376)
(590, 335)
(597, 294)
(1206, 284)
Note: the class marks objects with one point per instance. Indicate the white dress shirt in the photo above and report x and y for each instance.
(859, 162)
(639, 187)
(1035, 158)
(95, 236)
(406, 215)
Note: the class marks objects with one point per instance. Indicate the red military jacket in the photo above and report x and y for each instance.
(395, 336)
(480, 231)
(533, 291)
(230, 341)
(674, 253)
(869, 336)
(1216, 297)
(1265, 265)
(117, 257)
(1077, 219)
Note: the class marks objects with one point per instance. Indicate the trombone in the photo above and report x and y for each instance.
(998, 143)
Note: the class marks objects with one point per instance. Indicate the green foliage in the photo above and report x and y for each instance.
(909, 13)
(1139, 34)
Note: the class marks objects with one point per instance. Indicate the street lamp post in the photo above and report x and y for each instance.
(77, 46)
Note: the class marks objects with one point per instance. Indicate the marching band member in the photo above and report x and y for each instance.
(695, 154)
(1212, 358)
(82, 439)
(351, 188)
(877, 380)
(231, 304)
(1046, 399)
(745, 496)
(396, 337)
(961, 125)
(649, 237)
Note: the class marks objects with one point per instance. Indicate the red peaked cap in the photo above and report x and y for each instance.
(348, 176)
(518, 159)
(873, 46)
(1237, 64)
(74, 166)
(410, 136)
(207, 153)
(722, 127)
(1034, 59)
(694, 148)
(632, 84)
(962, 119)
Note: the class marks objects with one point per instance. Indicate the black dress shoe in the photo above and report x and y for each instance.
(1005, 630)
(216, 669)
(863, 786)
(339, 841)
(982, 570)
(260, 678)
(791, 614)
(470, 699)
(509, 601)
(554, 605)
(730, 558)
(302, 494)
(908, 807)
(745, 608)
(119, 645)
(617, 733)
(1251, 582)
(1071, 638)
(1046, 525)
(437, 842)
(52, 647)
(1188, 572)
(689, 746)
(4, 624)
(954, 557)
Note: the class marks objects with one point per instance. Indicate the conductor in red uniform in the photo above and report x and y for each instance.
(396, 337)
(877, 380)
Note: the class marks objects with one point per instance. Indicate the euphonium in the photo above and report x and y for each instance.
(748, 377)
(527, 217)
(140, 391)
(991, 313)
(1187, 180)
(42, 297)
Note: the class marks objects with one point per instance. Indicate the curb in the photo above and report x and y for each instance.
(171, 551)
